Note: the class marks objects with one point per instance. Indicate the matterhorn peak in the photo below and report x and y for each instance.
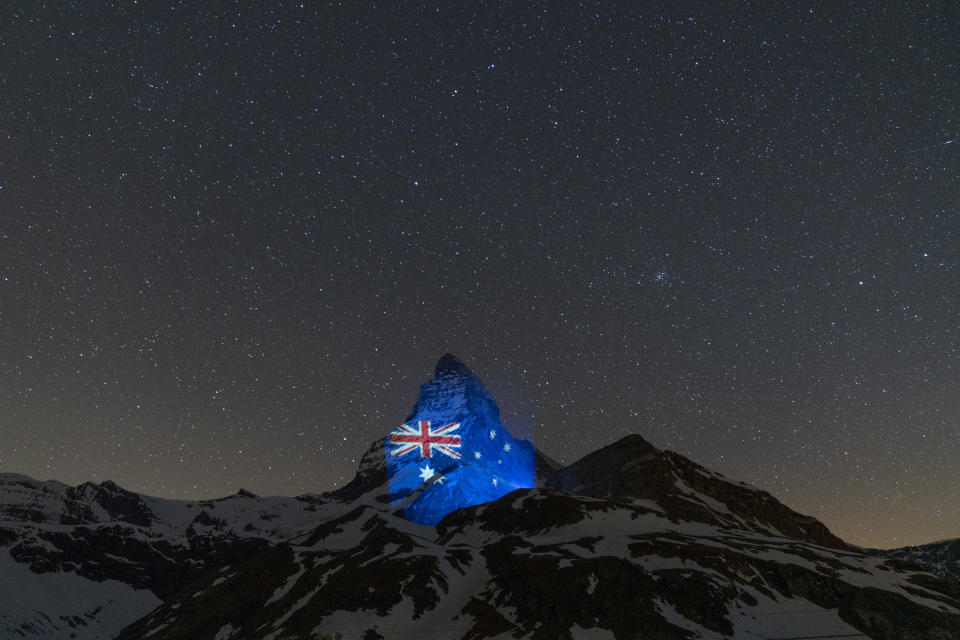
(453, 392)
(451, 365)
(452, 450)
(452, 371)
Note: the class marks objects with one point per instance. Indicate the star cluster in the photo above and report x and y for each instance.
(235, 239)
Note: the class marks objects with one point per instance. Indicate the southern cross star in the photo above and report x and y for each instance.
(426, 473)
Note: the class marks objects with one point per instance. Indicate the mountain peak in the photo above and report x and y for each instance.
(452, 450)
(450, 368)
(448, 361)
(633, 468)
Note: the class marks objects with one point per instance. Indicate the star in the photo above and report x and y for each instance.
(493, 434)
(477, 455)
(506, 447)
(426, 473)
(495, 482)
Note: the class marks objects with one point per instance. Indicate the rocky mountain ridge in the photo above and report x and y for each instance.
(629, 542)
(942, 557)
(136, 549)
(548, 563)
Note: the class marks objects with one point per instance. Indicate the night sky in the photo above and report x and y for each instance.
(236, 237)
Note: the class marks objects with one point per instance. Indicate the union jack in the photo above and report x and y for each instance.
(409, 438)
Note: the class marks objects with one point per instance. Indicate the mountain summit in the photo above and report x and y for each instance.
(452, 451)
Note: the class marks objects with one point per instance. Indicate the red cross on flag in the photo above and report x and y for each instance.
(410, 438)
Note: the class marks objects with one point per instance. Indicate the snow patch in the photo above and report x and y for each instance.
(224, 633)
(592, 633)
(592, 578)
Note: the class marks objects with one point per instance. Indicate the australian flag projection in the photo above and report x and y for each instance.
(452, 452)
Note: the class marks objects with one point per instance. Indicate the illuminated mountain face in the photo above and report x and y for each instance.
(452, 452)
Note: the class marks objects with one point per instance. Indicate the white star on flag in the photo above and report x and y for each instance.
(493, 434)
(476, 454)
(506, 447)
(426, 473)
(494, 482)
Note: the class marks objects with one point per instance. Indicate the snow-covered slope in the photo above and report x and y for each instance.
(61, 605)
(546, 563)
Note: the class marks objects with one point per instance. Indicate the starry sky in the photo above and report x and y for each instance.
(236, 237)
